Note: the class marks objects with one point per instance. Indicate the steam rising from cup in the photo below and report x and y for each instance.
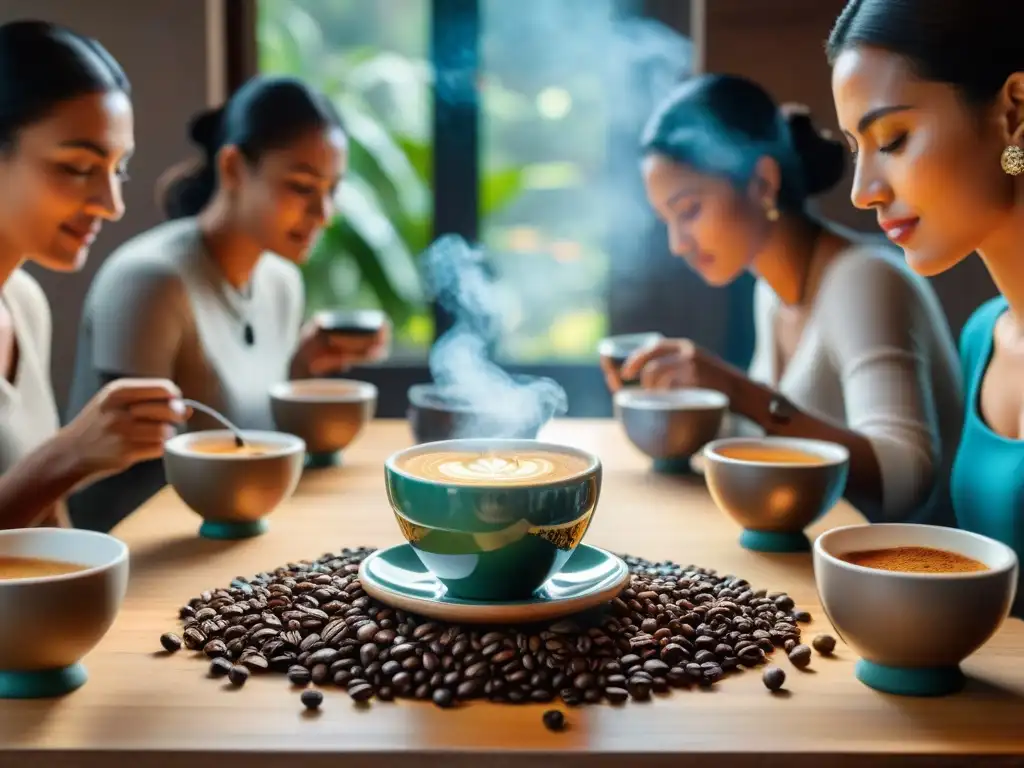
(484, 399)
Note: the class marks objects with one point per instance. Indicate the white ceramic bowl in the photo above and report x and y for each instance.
(234, 493)
(328, 414)
(49, 624)
(912, 630)
(670, 426)
(775, 501)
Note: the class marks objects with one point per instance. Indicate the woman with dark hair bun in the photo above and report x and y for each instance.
(851, 347)
(66, 137)
(213, 299)
(930, 96)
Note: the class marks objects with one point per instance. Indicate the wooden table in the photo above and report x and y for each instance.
(142, 708)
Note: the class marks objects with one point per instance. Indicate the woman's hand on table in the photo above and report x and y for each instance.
(321, 353)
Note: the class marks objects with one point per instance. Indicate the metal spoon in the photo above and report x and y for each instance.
(239, 442)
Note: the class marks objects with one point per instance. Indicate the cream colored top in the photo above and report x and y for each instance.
(160, 307)
(28, 413)
(877, 356)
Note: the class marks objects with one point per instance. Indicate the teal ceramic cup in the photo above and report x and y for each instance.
(491, 519)
(759, 482)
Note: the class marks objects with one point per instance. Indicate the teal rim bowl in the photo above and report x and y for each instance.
(775, 501)
(493, 542)
(48, 624)
(912, 630)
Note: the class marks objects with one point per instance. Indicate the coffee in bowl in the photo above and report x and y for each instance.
(233, 489)
(913, 601)
(493, 520)
(762, 453)
(914, 560)
(231, 449)
(775, 486)
(494, 467)
(60, 591)
(35, 567)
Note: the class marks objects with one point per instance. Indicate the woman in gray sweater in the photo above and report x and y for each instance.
(851, 346)
(213, 299)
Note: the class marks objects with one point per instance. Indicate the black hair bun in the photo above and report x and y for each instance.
(822, 157)
(204, 129)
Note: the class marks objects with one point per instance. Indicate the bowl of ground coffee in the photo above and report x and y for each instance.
(60, 591)
(913, 601)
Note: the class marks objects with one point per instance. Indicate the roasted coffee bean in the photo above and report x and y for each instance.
(677, 677)
(171, 642)
(238, 675)
(800, 656)
(672, 626)
(773, 678)
(802, 616)
(319, 674)
(193, 638)
(219, 667)
(298, 675)
(366, 632)
(784, 603)
(673, 653)
(616, 695)
(361, 691)
(443, 698)
(311, 698)
(656, 667)
(824, 644)
(554, 720)
(789, 645)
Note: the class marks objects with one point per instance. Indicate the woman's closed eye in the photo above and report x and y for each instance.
(84, 172)
(895, 145)
(687, 211)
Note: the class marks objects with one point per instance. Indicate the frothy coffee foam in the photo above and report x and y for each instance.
(494, 468)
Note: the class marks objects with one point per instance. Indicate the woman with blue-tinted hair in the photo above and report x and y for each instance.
(851, 347)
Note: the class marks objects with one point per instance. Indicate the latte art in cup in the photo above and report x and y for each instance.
(497, 468)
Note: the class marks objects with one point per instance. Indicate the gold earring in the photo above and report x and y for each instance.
(771, 212)
(1012, 160)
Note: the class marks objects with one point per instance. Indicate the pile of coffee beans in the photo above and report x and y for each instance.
(674, 626)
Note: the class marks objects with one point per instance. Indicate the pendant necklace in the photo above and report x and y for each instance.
(237, 300)
(248, 334)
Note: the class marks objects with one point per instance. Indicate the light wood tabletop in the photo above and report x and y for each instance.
(142, 707)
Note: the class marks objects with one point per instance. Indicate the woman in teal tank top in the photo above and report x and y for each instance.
(935, 114)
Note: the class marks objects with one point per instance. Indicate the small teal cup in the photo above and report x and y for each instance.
(671, 426)
(499, 539)
(774, 497)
